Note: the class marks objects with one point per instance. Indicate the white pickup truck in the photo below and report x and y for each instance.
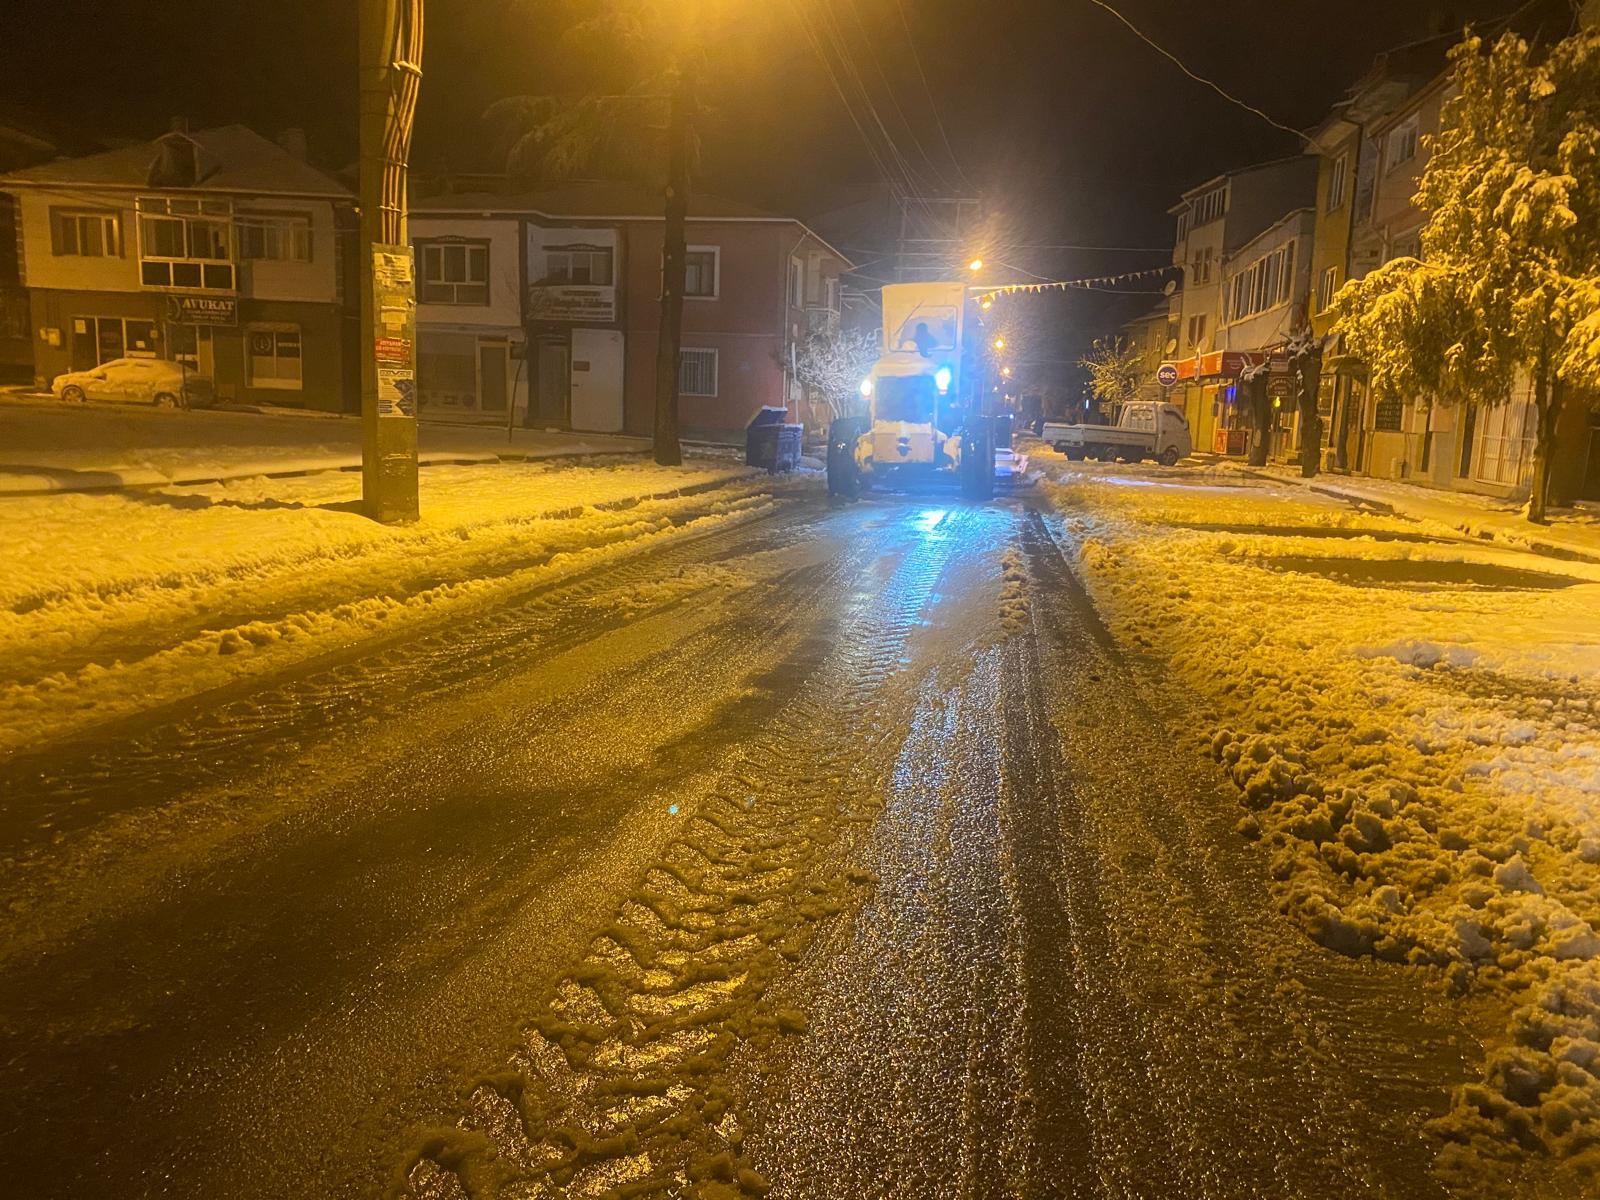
(1146, 429)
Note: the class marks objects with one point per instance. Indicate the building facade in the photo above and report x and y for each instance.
(545, 307)
(218, 249)
(1216, 222)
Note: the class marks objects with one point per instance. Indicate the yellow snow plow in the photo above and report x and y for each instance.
(921, 425)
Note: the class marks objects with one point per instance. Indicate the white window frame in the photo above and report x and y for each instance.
(109, 220)
(1211, 207)
(274, 330)
(1327, 288)
(1404, 136)
(716, 273)
(431, 250)
(211, 215)
(571, 253)
(1338, 182)
(716, 370)
(285, 236)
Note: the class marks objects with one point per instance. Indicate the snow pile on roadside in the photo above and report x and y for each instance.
(1414, 728)
(110, 604)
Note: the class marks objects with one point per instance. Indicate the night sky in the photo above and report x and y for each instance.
(1073, 129)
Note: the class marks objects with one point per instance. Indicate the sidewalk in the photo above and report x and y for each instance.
(48, 447)
(1571, 532)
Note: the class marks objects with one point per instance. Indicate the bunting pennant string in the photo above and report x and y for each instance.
(987, 295)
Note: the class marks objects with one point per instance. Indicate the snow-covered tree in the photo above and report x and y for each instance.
(1116, 371)
(833, 363)
(1509, 279)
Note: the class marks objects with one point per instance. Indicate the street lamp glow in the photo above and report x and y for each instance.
(975, 265)
(1006, 371)
(999, 343)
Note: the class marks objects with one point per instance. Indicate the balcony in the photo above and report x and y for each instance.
(186, 245)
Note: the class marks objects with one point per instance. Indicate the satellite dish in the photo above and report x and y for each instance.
(1172, 286)
(1172, 345)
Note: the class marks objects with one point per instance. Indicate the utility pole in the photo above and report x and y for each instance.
(674, 252)
(390, 38)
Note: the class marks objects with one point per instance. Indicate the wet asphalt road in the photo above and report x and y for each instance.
(839, 854)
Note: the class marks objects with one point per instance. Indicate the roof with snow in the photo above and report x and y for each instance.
(230, 158)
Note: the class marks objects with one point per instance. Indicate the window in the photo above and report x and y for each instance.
(1337, 178)
(273, 358)
(1183, 225)
(454, 272)
(1386, 416)
(1210, 206)
(1204, 259)
(833, 293)
(579, 264)
(1401, 146)
(275, 237)
(185, 243)
(1197, 329)
(1265, 283)
(702, 273)
(697, 372)
(1327, 288)
(88, 233)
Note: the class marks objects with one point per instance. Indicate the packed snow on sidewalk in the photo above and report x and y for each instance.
(110, 604)
(1412, 720)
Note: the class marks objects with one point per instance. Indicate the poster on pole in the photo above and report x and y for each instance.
(394, 309)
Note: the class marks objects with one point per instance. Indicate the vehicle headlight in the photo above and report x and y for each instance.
(866, 387)
(942, 378)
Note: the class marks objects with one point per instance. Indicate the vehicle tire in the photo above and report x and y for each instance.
(844, 473)
(1074, 453)
(168, 400)
(1060, 447)
(72, 394)
(1169, 457)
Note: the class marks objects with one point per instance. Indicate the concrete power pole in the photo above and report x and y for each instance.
(391, 71)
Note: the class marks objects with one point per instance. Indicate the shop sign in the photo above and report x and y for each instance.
(203, 310)
(1278, 387)
(1167, 374)
(571, 302)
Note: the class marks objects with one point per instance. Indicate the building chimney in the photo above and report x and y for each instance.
(293, 140)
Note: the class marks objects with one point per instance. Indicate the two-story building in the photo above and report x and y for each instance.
(549, 301)
(217, 248)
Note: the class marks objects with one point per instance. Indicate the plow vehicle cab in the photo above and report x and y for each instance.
(920, 424)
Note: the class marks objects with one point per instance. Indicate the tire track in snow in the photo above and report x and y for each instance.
(621, 1086)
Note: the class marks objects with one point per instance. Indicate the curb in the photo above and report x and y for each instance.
(139, 479)
(1467, 526)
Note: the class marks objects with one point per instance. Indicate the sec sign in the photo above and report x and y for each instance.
(1167, 375)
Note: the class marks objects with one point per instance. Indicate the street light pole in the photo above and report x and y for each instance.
(390, 35)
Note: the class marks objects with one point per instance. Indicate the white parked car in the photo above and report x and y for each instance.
(135, 381)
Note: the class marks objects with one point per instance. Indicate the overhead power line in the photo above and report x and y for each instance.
(1200, 79)
(933, 105)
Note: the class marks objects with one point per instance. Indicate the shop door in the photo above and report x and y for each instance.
(597, 380)
(554, 382)
(95, 340)
(1590, 489)
(494, 373)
